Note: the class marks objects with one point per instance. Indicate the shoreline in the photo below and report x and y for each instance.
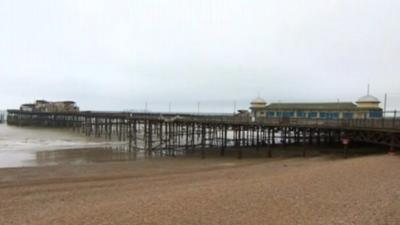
(81, 155)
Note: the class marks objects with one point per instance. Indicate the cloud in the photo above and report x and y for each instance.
(119, 54)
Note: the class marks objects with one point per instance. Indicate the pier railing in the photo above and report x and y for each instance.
(383, 123)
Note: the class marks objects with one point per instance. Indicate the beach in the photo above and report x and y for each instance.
(316, 190)
(199, 112)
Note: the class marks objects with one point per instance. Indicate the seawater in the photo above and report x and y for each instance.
(28, 146)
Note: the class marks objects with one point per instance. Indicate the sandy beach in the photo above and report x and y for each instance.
(319, 190)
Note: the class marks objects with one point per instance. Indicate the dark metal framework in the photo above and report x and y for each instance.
(173, 132)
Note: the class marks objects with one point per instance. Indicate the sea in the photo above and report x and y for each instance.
(29, 146)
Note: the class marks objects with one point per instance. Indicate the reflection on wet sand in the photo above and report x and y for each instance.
(122, 153)
(95, 155)
(84, 156)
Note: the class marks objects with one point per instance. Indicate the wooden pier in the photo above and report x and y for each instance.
(169, 133)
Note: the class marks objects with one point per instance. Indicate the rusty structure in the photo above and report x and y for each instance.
(52, 107)
(168, 133)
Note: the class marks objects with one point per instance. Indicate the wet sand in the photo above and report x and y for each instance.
(318, 190)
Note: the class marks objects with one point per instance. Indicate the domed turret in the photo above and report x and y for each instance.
(258, 107)
(369, 98)
(368, 101)
(258, 103)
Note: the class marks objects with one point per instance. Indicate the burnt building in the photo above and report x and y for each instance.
(47, 106)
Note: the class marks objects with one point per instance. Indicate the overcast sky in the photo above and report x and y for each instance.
(119, 54)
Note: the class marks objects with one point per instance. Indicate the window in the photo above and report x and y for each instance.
(375, 114)
(348, 115)
(323, 115)
(333, 116)
(312, 115)
(301, 114)
(288, 114)
(279, 114)
(270, 114)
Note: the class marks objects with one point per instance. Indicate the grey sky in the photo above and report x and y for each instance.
(120, 54)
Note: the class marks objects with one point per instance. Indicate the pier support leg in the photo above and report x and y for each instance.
(392, 150)
(224, 137)
(150, 139)
(269, 150)
(273, 136)
(130, 136)
(346, 151)
(304, 143)
(240, 154)
(203, 141)
(257, 138)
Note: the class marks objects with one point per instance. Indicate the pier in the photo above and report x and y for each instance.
(171, 132)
